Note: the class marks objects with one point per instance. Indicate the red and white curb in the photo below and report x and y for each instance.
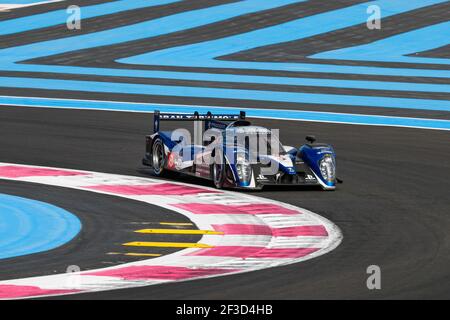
(258, 233)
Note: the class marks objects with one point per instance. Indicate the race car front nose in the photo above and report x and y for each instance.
(327, 168)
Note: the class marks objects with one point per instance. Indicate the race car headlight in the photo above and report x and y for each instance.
(243, 168)
(328, 168)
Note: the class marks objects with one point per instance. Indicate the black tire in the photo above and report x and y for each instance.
(218, 174)
(158, 157)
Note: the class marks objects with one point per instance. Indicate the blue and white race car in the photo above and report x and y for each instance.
(232, 153)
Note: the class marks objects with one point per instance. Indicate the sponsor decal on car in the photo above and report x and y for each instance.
(261, 177)
(291, 170)
(170, 161)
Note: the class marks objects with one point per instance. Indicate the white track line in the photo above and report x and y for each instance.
(5, 6)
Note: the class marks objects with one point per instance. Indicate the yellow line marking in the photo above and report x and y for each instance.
(134, 254)
(177, 231)
(167, 244)
(176, 224)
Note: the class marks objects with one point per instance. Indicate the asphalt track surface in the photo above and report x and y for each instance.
(392, 207)
(107, 222)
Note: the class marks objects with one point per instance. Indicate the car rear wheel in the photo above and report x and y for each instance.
(158, 157)
(218, 174)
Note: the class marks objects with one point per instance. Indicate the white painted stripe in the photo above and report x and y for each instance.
(10, 6)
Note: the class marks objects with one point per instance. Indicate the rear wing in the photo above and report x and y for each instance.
(210, 120)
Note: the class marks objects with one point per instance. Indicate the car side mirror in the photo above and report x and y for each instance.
(310, 139)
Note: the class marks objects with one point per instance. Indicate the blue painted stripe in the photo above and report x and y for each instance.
(252, 112)
(394, 49)
(56, 17)
(203, 54)
(201, 17)
(333, 83)
(29, 226)
(177, 91)
(146, 29)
